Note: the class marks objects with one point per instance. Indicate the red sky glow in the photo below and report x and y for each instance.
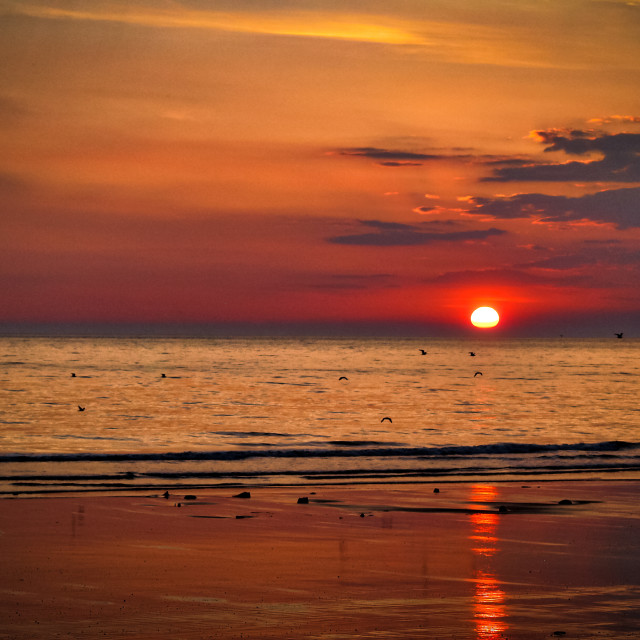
(382, 164)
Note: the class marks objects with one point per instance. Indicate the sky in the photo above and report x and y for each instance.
(371, 165)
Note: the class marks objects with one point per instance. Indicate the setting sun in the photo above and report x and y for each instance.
(485, 317)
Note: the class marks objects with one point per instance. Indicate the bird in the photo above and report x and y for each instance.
(386, 418)
(619, 335)
(472, 353)
(423, 352)
(80, 408)
(164, 375)
(343, 378)
(73, 375)
(477, 373)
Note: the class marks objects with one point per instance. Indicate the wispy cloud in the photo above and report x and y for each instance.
(389, 156)
(395, 234)
(588, 256)
(467, 38)
(351, 281)
(503, 277)
(363, 28)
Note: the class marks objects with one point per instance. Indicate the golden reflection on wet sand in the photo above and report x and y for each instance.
(489, 608)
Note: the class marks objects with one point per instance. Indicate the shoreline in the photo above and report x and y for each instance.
(393, 560)
(57, 489)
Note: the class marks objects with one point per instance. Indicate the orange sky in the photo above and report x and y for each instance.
(375, 163)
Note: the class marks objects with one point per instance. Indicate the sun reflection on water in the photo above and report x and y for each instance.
(489, 609)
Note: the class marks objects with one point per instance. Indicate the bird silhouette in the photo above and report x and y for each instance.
(343, 378)
(423, 352)
(73, 375)
(472, 353)
(477, 373)
(619, 335)
(386, 418)
(80, 408)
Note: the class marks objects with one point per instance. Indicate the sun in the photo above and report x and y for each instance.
(485, 317)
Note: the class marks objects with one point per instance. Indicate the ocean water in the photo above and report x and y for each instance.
(171, 412)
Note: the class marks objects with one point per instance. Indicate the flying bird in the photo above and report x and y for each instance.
(472, 353)
(343, 378)
(619, 335)
(423, 352)
(80, 408)
(477, 373)
(386, 418)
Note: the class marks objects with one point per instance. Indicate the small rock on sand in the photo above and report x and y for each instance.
(244, 494)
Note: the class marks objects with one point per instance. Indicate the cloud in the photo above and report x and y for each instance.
(602, 256)
(619, 158)
(262, 19)
(390, 157)
(506, 277)
(620, 207)
(346, 281)
(395, 234)
(401, 164)
(614, 119)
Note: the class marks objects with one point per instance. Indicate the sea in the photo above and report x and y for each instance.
(113, 414)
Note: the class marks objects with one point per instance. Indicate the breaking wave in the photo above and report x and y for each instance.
(346, 450)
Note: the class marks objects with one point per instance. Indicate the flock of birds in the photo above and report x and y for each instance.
(386, 418)
(424, 353)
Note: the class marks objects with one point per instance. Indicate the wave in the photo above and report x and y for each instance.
(346, 450)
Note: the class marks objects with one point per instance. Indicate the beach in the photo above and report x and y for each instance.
(484, 561)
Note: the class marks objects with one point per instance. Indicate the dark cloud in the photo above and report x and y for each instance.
(388, 154)
(560, 263)
(401, 164)
(509, 277)
(393, 234)
(347, 281)
(600, 256)
(619, 159)
(620, 207)
(392, 157)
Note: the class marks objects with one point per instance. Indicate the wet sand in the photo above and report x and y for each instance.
(474, 561)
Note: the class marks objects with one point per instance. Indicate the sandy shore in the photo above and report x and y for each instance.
(485, 562)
